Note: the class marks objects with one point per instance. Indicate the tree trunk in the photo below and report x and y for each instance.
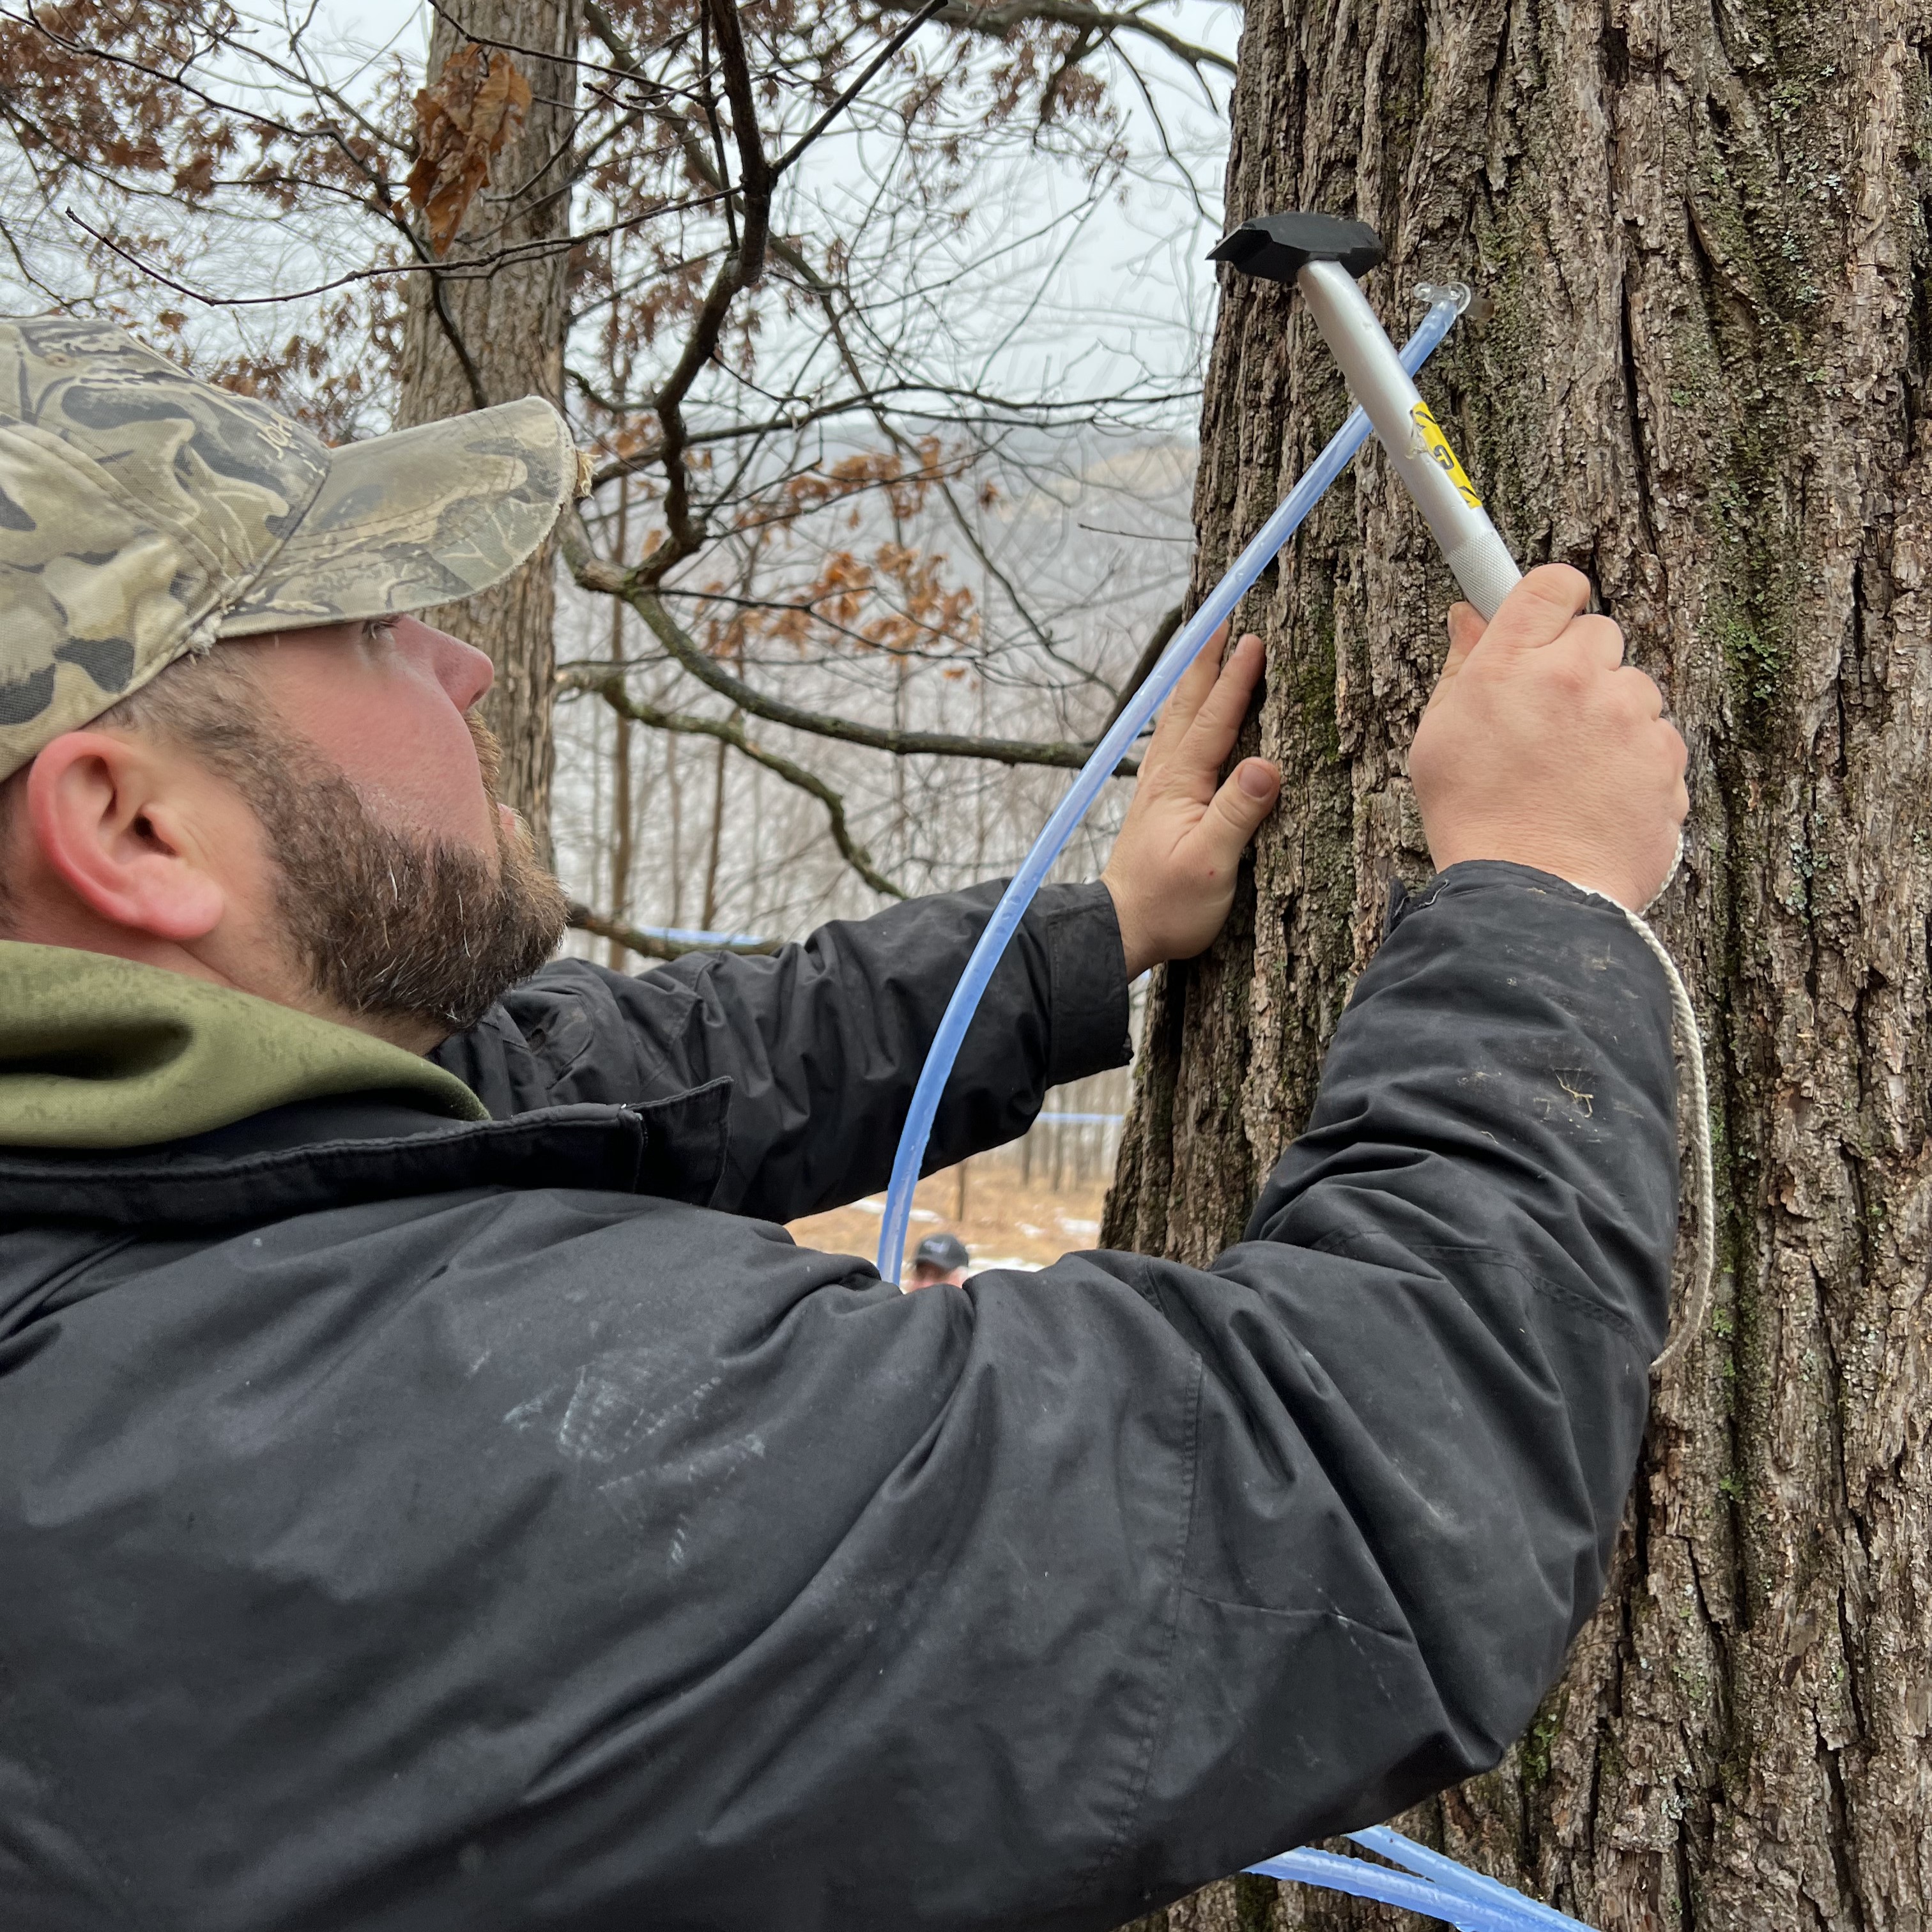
(623, 809)
(490, 337)
(707, 919)
(1700, 379)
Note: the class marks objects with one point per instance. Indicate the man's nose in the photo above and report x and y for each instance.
(460, 668)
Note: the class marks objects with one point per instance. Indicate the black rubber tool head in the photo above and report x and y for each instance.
(1273, 248)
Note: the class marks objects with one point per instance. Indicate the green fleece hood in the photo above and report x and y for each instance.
(97, 1052)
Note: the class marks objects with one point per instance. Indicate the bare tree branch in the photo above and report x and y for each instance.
(742, 269)
(593, 574)
(1050, 410)
(755, 168)
(996, 22)
(473, 376)
(162, 76)
(827, 294)
(480, 267)
(850, 94)
(730, 732)
(1163, 634)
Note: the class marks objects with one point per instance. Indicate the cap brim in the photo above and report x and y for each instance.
(419, 517)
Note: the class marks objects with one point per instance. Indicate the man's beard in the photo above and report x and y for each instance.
(395, 927)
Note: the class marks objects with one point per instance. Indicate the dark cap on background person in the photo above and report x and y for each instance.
(941, 1257)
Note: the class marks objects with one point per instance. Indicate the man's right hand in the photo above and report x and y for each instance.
(1541, 746)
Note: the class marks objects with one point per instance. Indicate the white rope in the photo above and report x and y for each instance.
(1690, 1046)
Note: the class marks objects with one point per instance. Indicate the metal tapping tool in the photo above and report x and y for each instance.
(1321, 255)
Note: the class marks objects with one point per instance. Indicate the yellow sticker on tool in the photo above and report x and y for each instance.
(1434, 444)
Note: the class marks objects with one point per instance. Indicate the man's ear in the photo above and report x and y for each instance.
(113, 821)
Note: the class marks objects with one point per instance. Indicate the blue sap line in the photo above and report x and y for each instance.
(1166, 673)
(1436, 1886)
(1360, 1879)
(1433, 1885)
(1458, 1878)
(690, 936)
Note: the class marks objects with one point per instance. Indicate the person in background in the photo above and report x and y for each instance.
(941, 1257)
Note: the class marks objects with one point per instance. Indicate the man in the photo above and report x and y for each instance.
(941, 1257)
(438, 1495)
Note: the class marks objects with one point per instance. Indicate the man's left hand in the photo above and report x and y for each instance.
(1173, 867)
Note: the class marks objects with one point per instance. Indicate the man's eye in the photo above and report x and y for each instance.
(380, 631)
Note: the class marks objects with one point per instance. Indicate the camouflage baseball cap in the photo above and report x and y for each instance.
(144, 514)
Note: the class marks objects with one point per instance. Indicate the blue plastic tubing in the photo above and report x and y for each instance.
(1433, 1885)
(1095, 773)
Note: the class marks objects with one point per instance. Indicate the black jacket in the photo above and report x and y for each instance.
(411, 1525)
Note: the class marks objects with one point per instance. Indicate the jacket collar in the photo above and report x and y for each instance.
(100, 1052)
(134, 1097)
(335, 1152)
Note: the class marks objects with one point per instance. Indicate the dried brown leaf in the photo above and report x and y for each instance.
(463, 122)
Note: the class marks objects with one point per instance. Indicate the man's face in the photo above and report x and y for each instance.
(407, 895)
(386, 704)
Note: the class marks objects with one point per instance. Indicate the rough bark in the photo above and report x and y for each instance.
(473, 337)
(1700, 233)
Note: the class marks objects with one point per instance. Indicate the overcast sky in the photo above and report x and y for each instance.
(1131, 284)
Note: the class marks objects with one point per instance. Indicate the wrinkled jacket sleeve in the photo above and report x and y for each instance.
(1052, 1597)
(824, 1040)
(1423, 1378)
(518, 1558)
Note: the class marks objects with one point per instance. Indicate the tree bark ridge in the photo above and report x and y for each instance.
(1699, 239)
